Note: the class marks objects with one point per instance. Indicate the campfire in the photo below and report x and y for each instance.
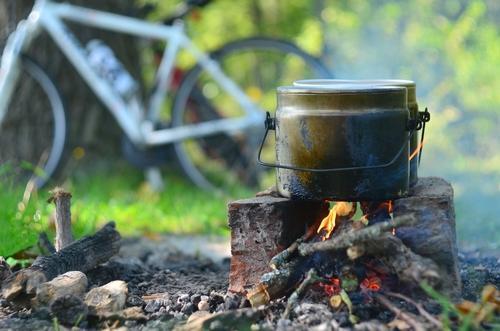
(349, 254)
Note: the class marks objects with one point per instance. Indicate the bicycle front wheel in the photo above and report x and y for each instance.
(258, 65)
(33, 132)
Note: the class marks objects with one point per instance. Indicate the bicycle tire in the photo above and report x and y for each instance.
(191, 93)
(31, 153)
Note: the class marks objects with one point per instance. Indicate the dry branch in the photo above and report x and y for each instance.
(344, 241)
(62, 201)
(407, 317)
(82, 255)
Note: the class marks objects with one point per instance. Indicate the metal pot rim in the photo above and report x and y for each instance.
(329, 82)
(341, 89)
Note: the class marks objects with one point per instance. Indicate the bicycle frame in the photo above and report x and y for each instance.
(137, 125)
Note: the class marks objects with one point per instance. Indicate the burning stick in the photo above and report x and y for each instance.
(344, 241)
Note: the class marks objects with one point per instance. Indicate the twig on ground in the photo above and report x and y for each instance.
(417, 326)
(419, 307)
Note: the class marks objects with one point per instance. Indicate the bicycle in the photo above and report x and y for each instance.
(216, 118)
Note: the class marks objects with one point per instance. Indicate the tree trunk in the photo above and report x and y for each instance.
(90, 124)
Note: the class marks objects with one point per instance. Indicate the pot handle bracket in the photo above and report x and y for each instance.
(413, 125)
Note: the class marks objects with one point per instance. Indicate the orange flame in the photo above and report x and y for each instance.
(371, 283)
(415, 152)
(341, 208)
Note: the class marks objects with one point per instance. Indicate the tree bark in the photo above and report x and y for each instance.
(101, 134)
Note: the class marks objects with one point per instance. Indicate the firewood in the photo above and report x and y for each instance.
(408, 266)
(81, 255)
(351, 238)
(62, 201)
(276, 283)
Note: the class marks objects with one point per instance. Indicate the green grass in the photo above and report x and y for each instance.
(118, 194)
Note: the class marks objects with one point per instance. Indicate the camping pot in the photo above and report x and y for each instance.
(344, 142)
(412, 106)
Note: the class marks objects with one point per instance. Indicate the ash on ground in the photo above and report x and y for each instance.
(171, 289)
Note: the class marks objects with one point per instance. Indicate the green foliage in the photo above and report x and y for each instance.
(19, 220)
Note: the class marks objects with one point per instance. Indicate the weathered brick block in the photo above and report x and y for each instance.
(260, 228)
(434, 235)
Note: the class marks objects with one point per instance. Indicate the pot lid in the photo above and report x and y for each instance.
(408, 84)
(341, 97)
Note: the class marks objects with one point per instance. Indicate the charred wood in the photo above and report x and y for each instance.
(81, 255)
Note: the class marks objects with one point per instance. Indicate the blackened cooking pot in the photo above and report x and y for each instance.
(412, 106)
(344, 142)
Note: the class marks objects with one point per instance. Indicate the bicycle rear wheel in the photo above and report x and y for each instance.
(258, 66)
(33, 132)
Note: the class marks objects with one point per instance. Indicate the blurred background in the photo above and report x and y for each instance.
(451, 49)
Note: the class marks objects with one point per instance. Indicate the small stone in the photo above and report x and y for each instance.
(152, 306)
(108, 298)
(188, 308)
(135, 300)
(215, 299)
(204, 298)
(70, 283)
(195, 299)
(183, 298)
(69, 310)
(232, 301)
(203, 305)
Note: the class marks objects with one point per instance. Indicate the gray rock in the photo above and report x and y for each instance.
(70, 283)
(107, 298)
(188, 308)
(152, 306)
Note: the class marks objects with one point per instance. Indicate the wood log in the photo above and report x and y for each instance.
(81, 255)
(62, 201)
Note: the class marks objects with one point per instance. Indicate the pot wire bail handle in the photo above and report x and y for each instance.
(270, 124)
(424, 117)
